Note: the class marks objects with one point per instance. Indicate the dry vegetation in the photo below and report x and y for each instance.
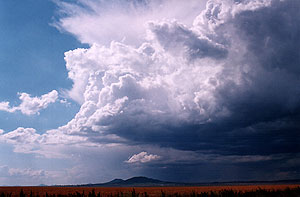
(253, 190)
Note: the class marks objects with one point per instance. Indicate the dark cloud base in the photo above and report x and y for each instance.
(211, 172)
(264, 107)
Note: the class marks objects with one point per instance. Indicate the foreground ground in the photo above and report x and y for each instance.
(253, 190)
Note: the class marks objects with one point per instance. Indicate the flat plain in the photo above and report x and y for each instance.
(139, 191)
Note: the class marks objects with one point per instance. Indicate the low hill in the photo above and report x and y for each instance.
(134, 182)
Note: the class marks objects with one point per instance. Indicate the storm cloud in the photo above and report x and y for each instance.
(227, 84)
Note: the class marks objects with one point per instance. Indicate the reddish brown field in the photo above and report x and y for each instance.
(151, 191)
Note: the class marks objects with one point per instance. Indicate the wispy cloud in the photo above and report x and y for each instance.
(26, 172)
(31, 105)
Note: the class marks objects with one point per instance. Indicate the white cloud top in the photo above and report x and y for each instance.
(122, 21)
(142, 157)
(31, 105)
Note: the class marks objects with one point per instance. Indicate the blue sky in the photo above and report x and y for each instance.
(32, 53)
(32, 61)
(197, 92)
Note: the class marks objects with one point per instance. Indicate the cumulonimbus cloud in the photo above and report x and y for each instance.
(31, 105)
(199, 87)
(223, 83)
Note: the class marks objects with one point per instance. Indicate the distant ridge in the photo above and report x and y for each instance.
(133, 182)
(115, 181)
(142, 181)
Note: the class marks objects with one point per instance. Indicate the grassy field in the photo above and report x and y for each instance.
(253, 190)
